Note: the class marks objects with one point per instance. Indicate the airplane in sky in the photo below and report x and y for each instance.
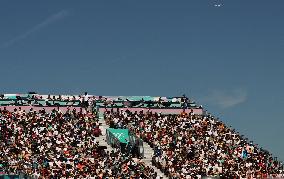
(218, 5)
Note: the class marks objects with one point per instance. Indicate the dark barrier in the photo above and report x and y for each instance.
(137, 144)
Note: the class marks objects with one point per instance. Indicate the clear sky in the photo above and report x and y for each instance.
(230, 58)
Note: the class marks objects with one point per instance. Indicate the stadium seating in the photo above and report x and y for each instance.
(57, 136)
(60, 145)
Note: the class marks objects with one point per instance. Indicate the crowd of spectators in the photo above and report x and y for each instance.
(191, 146)
(61, 145)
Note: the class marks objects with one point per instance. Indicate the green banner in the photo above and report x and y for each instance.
(120, 134)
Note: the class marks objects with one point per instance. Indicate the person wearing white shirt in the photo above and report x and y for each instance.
(85, 102)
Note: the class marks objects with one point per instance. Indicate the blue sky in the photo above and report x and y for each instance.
(230, 59)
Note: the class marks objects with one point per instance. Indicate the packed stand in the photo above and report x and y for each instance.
(192, 146)
(60, 145)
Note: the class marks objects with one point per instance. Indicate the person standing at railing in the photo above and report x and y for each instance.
(85, 103)
(184, 102)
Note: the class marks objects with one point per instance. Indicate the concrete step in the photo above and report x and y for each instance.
(148, 153)
(102, 138)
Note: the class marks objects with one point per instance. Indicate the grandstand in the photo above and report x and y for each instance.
(89, 136)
